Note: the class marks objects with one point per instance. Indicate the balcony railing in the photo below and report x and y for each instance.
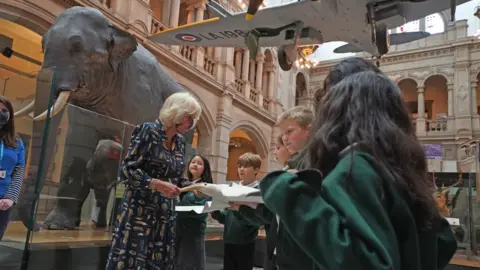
(187, 52)
(106, 3)
(253, 95)
(438, 125)
(239, 84)
(157, 26)
(209, 65)
(265, 103)
(196, 55)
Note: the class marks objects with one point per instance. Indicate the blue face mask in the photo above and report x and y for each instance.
(4, 117)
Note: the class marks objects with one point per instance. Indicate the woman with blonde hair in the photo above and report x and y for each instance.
(144, 234)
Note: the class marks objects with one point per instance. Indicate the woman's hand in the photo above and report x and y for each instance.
(167, 189)
(5, 204)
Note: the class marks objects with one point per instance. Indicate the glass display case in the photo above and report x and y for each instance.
(70, 197)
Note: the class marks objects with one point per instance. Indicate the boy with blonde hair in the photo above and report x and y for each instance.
(239, 235)
(296, 127)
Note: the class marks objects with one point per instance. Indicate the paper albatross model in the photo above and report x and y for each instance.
(221, 194)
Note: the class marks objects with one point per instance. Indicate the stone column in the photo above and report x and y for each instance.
(166, 8)
(190, 14)
(238, 64)
(210, 51)
(421, 109)
(174, 17)
(200, 12)
(226, 64)
(474, 104)
(259, 75)
(271, 88)
(245, 65)
(251, 76)
(473, 87)
(265, 83)
(222, 139)
(450, 99)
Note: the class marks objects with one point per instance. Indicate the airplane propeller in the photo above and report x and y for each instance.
(253, 7)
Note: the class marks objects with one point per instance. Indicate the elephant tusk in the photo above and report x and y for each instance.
(26, 110)
(60, 103)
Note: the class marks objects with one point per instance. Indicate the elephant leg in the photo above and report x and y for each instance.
(84, 131)
(73, 188)
(82, 197)
(101, 196)
(40, 154)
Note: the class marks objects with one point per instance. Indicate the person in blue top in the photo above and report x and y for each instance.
(12, 163)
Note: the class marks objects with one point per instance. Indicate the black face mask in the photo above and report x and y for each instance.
(4, 117)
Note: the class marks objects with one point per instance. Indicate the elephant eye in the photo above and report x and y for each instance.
(77, 47)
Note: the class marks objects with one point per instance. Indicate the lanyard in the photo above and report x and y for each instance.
(1, 151)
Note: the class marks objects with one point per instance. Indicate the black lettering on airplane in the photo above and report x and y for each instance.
(223, 35)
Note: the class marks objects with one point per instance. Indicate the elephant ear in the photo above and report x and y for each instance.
(120, 46)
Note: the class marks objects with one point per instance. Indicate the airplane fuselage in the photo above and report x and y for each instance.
(347, 22)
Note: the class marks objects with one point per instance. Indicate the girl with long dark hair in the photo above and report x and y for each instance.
(191, 227)
(366, 202)
(12, 164)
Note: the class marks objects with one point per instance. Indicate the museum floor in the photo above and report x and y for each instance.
(83, 249)
(87, 249)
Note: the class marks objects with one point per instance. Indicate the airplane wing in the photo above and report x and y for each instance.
(412, 11)
(230, 31)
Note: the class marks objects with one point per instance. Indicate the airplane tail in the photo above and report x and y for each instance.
(395, 39)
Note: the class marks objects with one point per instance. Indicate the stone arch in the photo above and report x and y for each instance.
(436, 96)
(398, 80)
(205, 125)
(255, 133)
(447, 78)
(27, 16)
(301, 89)
(409, 86)
(140, 25)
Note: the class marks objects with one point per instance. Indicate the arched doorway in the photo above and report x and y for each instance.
(246, 137)
(240, 143)
(301, 93)
(436, 103)
(410, 97)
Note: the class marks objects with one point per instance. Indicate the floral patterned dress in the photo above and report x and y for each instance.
(144, 234)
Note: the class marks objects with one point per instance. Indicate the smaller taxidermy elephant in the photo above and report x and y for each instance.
(100, 174)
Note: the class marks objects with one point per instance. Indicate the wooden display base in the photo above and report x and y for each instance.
(84, 248)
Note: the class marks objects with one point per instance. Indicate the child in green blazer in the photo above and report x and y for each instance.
(191, 227)
(366, 202)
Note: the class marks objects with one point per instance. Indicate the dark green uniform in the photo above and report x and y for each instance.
(239, 238)
(236, 231)
(190, 222)
(190, 240)
(354, 219)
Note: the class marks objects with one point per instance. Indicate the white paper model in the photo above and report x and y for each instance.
(221, 194)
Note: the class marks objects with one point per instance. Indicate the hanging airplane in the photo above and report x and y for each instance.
(363, 24)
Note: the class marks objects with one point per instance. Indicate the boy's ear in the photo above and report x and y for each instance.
(256, 171)
(309, 129)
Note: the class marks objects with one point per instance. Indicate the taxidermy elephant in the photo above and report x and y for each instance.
(104, 75)
(101, 175)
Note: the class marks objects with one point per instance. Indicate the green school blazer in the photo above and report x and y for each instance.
(360, 222)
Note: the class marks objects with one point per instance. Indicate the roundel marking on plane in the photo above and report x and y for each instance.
(188, 37)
